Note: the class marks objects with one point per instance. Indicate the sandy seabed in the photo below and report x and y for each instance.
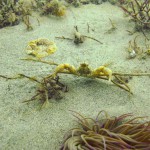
(23, 126)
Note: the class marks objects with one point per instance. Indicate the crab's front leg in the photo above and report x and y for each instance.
(60, 68)
(102, 71)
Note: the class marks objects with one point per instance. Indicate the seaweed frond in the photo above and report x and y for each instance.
(139, 11)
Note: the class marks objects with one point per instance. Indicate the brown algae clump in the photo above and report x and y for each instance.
(111, 133)
(54, 7)
(12, 12)
(47, 89)
(9, 13)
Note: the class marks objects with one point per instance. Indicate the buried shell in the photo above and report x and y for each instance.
(109, 134)
(41, 48)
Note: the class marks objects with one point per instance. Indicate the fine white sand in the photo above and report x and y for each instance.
(23, 126)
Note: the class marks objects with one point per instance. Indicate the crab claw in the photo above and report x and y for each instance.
(102, 71)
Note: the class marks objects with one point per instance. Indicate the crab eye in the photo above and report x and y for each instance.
(84, 65)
